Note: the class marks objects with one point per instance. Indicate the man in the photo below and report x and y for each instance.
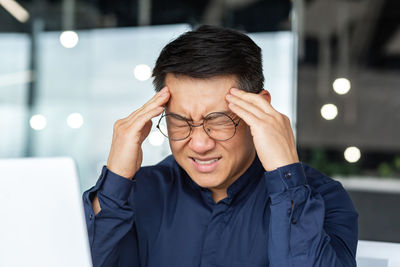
(233, 193)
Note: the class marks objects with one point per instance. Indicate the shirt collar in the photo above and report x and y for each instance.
(246, 182)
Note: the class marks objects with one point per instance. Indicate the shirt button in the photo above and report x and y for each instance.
(294, 221)
(287, 175)
(91, 216)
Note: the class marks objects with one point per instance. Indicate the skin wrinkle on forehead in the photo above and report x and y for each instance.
(226, 112)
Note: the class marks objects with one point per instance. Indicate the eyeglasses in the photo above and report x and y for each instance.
(217, 125)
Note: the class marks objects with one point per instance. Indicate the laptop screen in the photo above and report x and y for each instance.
(42, 219)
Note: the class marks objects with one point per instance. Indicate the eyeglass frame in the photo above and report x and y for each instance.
(191, 125)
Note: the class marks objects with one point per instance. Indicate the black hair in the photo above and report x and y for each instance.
(210, 51)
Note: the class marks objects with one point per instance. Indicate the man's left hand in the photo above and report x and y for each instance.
(271, 130)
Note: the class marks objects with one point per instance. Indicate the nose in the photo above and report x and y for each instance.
(200, 142)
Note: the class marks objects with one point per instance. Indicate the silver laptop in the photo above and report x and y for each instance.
(41, 214)
(378, 254)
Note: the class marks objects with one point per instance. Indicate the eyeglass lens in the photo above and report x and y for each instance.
(218, 126)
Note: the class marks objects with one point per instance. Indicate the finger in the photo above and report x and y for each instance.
(256, 99)
(140, 121)
(157, 103)
(250, 107)
(145, 131)
(147, 111)
(160, 103)
(270, 108)
(248, 117)
(160, 98)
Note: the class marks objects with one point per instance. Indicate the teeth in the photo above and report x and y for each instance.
(205, 162)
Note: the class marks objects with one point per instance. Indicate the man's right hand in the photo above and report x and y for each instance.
(126, 153)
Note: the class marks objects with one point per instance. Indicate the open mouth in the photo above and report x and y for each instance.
(206, 164)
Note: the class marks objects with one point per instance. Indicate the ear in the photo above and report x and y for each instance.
(267, 96)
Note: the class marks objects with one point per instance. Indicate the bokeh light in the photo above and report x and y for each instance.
(142, 72)
(352, 154)
(329, 111)
(341, 86)
(156, 138)
(69, 39)
(38, 122)
(75, 120)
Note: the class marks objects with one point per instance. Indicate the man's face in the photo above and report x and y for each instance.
(211, 164)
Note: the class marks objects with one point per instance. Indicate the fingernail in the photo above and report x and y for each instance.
(234, 90)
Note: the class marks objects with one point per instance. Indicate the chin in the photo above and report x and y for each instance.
(206, 180)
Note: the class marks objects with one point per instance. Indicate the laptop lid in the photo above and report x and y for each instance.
(377, 254)
(41, 214)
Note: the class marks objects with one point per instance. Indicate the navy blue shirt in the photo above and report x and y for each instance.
(163, 218)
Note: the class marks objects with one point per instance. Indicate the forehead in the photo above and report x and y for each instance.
(196, 97)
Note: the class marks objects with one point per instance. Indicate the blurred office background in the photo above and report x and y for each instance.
(69, 69)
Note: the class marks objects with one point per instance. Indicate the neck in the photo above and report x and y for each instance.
(221, 193)
(218, 195)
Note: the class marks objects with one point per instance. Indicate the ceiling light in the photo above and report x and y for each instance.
(16, 10)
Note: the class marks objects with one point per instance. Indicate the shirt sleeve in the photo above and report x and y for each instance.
(114, 223)
(319, 229)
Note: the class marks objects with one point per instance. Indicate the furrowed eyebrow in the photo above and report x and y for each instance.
(227, 112)
(178, 115)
